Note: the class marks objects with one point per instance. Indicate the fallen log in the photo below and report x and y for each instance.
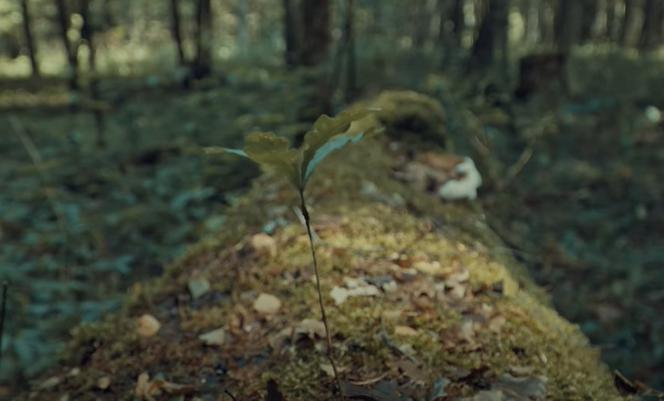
(424, 303)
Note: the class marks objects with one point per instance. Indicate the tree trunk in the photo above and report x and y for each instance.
(546, 23)
(176, 32)
(315, 31)
(589, 9)
(610, 28)
(351, 64)
(567, 24)
(458, 22)
(421, 23)
(70, 50)
(242, 32)
(652, 25)
(628, 21)
(290, 34)
(108, 20)
(87, 35)
(29, 38)
(492, 37)
(202, 66)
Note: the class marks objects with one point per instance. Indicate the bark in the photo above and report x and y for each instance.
(567, 24)
(242, 32)
(176, 32)
(492, 38)
(458, 22)
(87, 35)
(107, 14)
(422, 23)
(351, 64)
(652, 25)
(611, 20)
(70, 49)
(628, 21)
(290, 34)
(589, 10)
(546, 28)
(315, 31)
(29, 38)
(202, 66)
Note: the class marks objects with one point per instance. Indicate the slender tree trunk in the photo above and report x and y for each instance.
(315, 31)
(87, 35)
(351, 64)
(589, 9)
(567, 24)
(628, 21)
(422, 23)
(203, 63)
(108, 20)
(29, 38)
(546, 35)
(176, 32)
(492, 37)
(242, 33)
(610, 28)
(652, 25)
(70, 49)
(458, 22)
(290, 34)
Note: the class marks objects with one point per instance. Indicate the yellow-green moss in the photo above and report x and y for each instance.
(410, 116)
(514, 328)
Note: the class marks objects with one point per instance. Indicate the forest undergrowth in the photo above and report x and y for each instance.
(80, 225)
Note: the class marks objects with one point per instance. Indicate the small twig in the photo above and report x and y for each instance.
(37, 160)
(230, 395)
(330, 357)
(3, 310)
(517, 167)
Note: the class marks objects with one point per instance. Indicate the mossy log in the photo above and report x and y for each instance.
(435, 308)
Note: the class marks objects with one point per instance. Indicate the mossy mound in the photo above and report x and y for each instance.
(411, 116)
(451, 315)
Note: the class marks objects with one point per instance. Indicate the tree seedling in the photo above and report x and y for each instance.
(327, 135)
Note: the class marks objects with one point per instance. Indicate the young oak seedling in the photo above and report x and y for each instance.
(327, 135)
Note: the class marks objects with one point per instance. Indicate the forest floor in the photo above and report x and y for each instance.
(80, 224)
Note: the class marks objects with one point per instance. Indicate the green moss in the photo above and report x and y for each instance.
(461, 321)
(411, 116)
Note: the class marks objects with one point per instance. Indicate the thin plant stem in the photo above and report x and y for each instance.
(3, 309)
(330, 357)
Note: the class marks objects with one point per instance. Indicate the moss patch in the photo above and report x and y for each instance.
(452, 305)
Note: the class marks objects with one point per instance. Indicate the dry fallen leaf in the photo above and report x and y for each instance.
(148, 390)
(264, 245)
(267, 304)
(311, 328)
(354, 288)
(426, 267)
(143, 390)
(405, 331)
(214, 337)
(50, 382)
(103, 382)
(198, 287)
(147, 325)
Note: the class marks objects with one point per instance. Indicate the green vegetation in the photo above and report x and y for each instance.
(112, 111)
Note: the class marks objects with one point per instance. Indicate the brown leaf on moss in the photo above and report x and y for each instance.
(148, 390)
(147, 325)
(267, 304)
(263, 245)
